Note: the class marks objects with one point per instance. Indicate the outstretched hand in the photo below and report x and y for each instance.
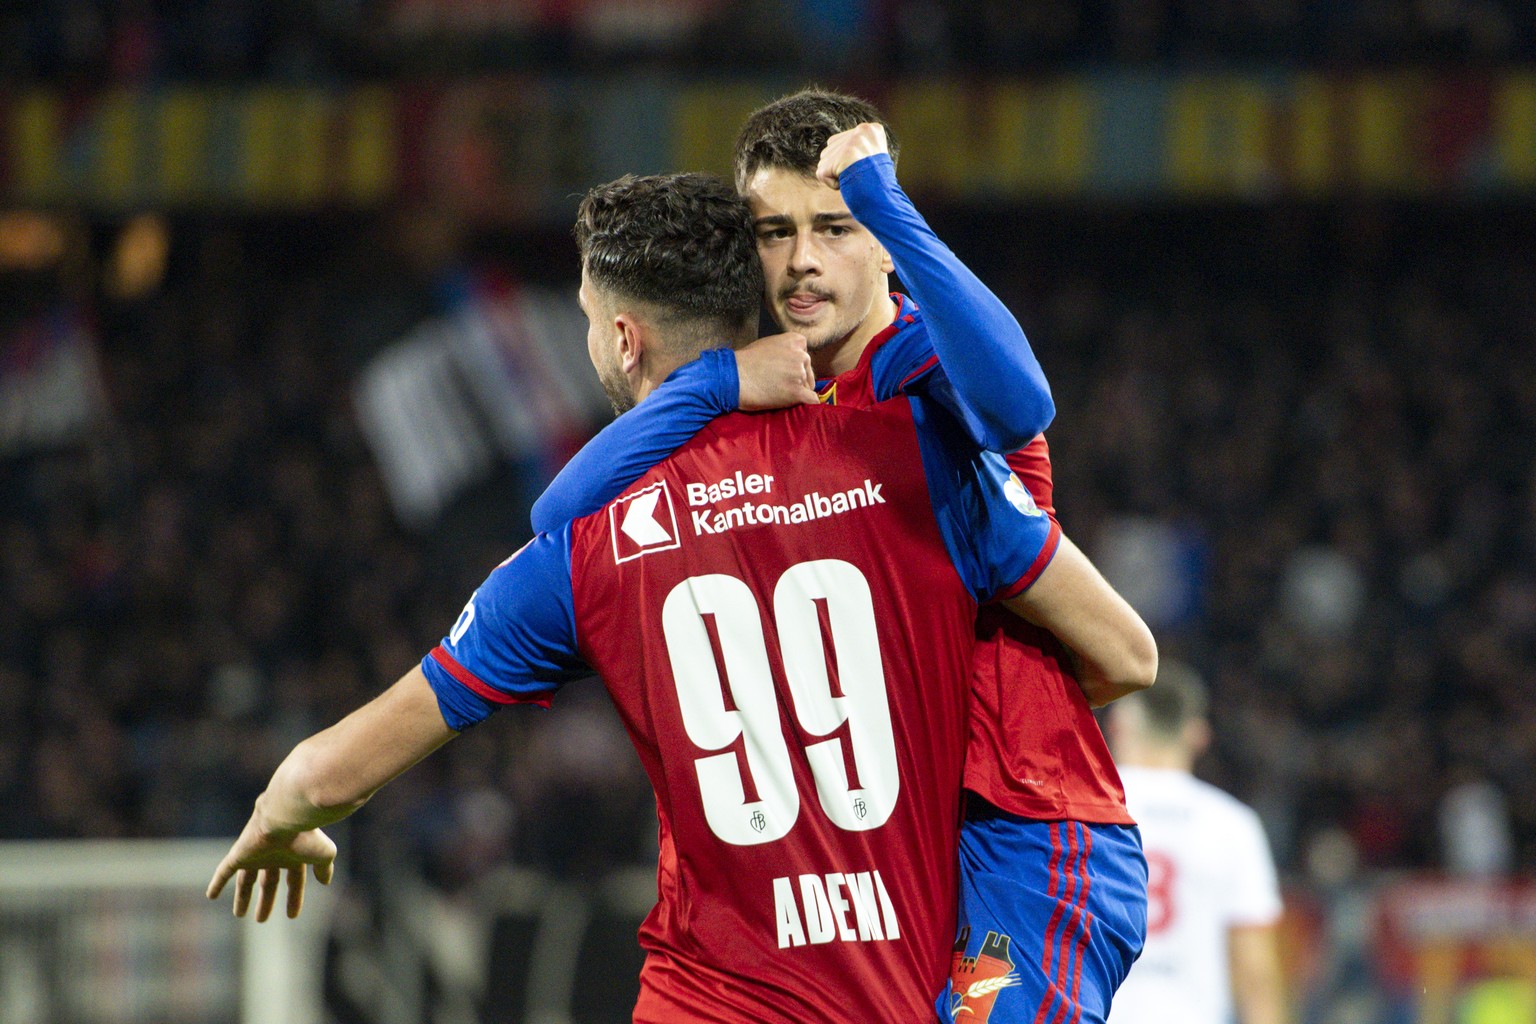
(775, 372)
(847, 148)
(259, 854)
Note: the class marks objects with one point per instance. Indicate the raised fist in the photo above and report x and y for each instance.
(848, 147)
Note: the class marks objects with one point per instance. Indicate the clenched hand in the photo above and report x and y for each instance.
(847, 148)
(775, 372)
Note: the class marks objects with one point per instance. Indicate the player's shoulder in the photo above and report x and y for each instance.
(545, 557)
(1224, 810)
(902, 354)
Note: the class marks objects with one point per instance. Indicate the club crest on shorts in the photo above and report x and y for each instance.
(643, 523)
(976, 981)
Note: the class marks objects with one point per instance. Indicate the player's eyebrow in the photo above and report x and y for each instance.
(784, 220)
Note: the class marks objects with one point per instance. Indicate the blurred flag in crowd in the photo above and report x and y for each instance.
(51, 389)
(503, 379)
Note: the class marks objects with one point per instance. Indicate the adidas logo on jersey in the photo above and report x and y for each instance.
(643, 523)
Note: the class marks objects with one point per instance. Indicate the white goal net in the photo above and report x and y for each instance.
(120, 933)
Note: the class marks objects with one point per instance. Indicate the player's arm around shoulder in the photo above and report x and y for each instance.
(771, 373)
(1115, 651)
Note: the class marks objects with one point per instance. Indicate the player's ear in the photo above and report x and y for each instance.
(887, 265)
(632, 338)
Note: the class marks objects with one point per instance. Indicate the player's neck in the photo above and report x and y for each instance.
(657, 369)
(837, 357)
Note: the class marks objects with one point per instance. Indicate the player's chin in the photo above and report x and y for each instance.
(822, 339)
(817, 323)
(825, 332)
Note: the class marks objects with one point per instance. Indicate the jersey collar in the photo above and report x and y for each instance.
(906, 315)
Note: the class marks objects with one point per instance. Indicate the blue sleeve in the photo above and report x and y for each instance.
(515, 641)
(998, 539)
(686, 401)
(1000, 391)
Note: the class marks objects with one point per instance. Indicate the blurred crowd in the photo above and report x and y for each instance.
(1318, 422)
(92, 41)
(214, 572)
(1329, 417)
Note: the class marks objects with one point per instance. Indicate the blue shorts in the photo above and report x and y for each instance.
(1052, 915)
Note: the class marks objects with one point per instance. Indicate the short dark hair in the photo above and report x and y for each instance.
(1177, 698)
(791, 132)
(681, 243)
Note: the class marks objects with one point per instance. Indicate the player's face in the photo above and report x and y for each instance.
(824, 273)
(603, 346)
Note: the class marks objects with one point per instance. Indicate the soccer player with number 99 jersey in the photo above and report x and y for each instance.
(1052, 880)
(783, 612)
(788, 644)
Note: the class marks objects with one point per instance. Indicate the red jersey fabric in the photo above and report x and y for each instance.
(798, 698)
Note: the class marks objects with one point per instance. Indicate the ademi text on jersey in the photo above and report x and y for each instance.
(704, 500)
(822, 908)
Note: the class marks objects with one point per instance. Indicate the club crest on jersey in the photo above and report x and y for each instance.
(976, 981)
(643, 523)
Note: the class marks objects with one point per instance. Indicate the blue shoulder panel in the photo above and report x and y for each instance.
(997, 538)
(902, 359)
(515, 641)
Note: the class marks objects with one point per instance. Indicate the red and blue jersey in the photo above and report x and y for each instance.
(1035, 748)
(783, 612)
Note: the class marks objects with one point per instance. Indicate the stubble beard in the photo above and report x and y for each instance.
(825, 337)
(620, 395)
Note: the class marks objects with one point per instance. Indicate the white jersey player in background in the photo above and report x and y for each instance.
(1212, 954)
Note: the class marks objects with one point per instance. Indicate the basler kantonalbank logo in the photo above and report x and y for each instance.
(643, 523)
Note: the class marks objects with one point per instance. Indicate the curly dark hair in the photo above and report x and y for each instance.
(791, 131)
(681, 243)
